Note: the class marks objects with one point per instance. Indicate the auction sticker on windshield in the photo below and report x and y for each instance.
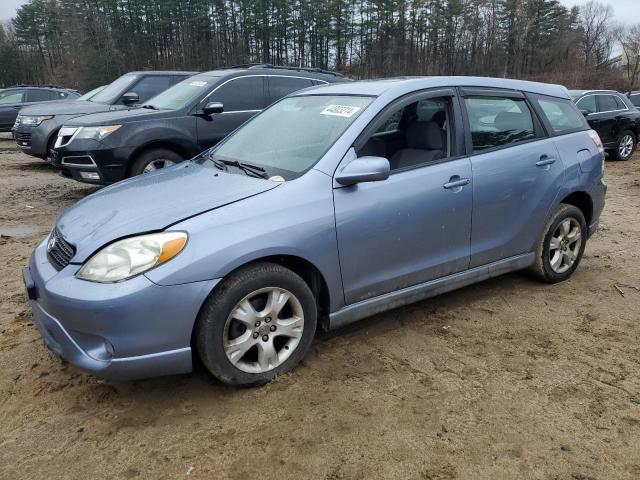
(340, 110)
(198, 84)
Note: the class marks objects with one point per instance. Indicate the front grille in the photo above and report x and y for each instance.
(59, 251)
(23, 139)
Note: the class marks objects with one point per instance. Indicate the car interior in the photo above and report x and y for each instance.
(413, 135)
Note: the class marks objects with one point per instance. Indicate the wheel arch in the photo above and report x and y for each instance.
(176, 147)
(583, 201)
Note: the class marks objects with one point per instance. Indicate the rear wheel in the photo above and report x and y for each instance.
(562, 244)
(153, 160)
(258, 324)
(625, 147)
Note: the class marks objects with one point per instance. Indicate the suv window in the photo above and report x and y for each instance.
(39, 95)
(150, 86)
(607, 103)
(588, 104)
(498, 121)
(635, 99)
(11, 96)
(621, 105)
(243, 93)
(282, 86)
(413, 135)
(561, 114)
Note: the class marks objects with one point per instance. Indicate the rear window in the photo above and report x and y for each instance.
(561, 115)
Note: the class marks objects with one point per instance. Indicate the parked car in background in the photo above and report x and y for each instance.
(635, 98)
(614, 117)
(37, 127)
(13, 99)
(336, 203)
(176, 124)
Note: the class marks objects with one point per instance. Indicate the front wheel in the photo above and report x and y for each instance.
(258, 324)
(153, 160)
(562, 244)
(625, 147)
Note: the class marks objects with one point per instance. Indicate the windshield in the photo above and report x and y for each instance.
(91, 93)
(183, 93)
(291, 136)
(112, 92)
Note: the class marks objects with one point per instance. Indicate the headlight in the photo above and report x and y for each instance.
(132, 256)
(32, 120)
(96, 133)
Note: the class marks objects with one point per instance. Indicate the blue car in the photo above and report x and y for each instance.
(334, 204)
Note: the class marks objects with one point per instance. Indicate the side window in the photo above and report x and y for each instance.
(635, 99)
(282, 86)
(150, 86)
(619, 103)
(498, 121)
(606, 103)
(414, 135)
(37, 95)
(244, 93)
(588, 104)
(12, 96)
(561, 114)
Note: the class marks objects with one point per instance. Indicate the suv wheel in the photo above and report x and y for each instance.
(561, 247)
(154, 160)
(258, 324)
(626, 146)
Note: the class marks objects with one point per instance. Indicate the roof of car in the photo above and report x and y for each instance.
(162, 72)
(408, 84)
(265, 69)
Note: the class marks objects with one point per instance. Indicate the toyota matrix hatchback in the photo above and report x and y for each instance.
(336, 203)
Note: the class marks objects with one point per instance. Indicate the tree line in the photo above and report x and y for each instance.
(85, 43)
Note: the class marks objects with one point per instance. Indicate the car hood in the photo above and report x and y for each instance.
(152, 202)
(120, 117)
(76, 107)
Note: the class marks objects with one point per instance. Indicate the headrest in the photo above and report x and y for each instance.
(424, 136)
(513, 121)
(440, 117)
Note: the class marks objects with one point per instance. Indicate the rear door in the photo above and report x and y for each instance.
(517, 173)
(604, 121)
(242, 98)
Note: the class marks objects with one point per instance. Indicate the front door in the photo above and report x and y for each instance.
(415, 226)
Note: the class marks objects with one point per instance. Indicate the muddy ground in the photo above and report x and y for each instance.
(508, 379)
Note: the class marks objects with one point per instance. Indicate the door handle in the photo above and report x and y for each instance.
(545, 160)
(456, 182)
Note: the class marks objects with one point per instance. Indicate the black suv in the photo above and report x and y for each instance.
(13, 99)
(36, 127)
(613, 116)
(176, 124)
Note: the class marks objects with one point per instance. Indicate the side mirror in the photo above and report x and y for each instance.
(586, 113)
(212, 108)
(364, 169)
(130, 98)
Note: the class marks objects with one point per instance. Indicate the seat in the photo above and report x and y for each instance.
(424, 145)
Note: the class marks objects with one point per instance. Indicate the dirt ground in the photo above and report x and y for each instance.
(506, 379)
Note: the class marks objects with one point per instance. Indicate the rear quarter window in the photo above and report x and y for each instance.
(561, 115)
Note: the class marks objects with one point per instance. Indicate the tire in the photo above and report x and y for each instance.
(218, 329)
(556, 228)
(50, 144)
(154, 157)
(625, 147)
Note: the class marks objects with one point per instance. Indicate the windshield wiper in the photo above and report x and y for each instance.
(247, 168)
(150, 107)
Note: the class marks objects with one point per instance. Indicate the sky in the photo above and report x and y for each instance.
(625, 11)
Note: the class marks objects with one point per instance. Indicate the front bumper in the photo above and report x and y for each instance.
(126, 330)
(90, 161)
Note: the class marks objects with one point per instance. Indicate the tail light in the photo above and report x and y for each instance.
(596, 140)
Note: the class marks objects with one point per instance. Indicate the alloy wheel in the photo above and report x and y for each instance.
(626, 146)
(263, 329)
(158, 164)
(564, 245)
